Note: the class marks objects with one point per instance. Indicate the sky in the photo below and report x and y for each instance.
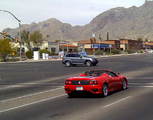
(75, 12)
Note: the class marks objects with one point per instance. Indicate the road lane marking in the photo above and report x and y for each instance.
(29, 95)
(141, 83)
(24, 105)
(116, 102)
(141, 86)
(39, 82)
(132, 74)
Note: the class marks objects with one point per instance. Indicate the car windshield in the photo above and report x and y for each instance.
(95, 73)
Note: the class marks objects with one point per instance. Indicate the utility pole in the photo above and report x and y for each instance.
(100, 39)
(93, 42)
(107, 35)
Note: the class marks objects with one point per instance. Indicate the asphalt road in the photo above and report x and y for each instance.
(50, 102)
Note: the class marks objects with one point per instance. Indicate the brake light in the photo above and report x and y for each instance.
(68, 82)
(93, 82)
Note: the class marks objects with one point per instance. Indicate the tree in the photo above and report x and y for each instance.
(146, 40)
(5, 48)
(36, 37)
(25, 36)
(139, 39)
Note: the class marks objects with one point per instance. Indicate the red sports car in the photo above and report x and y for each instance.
(96, 82)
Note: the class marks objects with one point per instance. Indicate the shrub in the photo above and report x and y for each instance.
(44, 51)
(130, 51)
(29, 54)
(141, 51)
(115, 51)
(99, 52)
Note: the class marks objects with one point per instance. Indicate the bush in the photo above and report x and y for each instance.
(115, 51)
(99, 52)
(130, 51)
(44, 51)
(29, 54)
(141, 51)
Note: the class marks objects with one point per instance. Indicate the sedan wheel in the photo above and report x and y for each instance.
(105, 90)
(124, 84)
(68, 64)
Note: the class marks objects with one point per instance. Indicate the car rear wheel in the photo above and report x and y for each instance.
(70, 95)
(105, 90)
(67, 63)
(88, 63)
(124, 85)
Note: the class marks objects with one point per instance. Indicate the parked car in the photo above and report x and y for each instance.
(75, 59)
(100, 82)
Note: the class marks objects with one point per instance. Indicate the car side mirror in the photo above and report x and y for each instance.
(80, 56)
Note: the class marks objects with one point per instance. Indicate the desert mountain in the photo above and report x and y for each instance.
(133, 23)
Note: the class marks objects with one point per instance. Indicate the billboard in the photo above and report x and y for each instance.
(101, 46)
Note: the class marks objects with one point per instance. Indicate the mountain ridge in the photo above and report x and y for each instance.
(131, 23)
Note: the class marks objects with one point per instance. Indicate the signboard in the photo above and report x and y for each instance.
(110, 46)
(101, 46)
(36, 55)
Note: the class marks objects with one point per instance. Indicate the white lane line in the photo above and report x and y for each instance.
(39, 82)
(10, 86)
(141, 86)
(6, 110)
(29, 95)
(116, 102)
(140, 83)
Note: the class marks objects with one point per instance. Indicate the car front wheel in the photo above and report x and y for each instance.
(124, 85)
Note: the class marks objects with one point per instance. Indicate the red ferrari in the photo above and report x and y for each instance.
(100, 82)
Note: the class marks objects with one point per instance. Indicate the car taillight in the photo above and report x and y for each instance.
(93, 82)
(68, 82)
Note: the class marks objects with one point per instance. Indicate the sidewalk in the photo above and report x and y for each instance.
(59, 59)
(117, 55)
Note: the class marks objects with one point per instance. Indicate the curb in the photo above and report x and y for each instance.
(50, 60)
(118, 55)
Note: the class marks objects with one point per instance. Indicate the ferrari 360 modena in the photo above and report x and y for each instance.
(99, 82)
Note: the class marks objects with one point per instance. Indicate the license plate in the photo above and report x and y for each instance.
(79, 88)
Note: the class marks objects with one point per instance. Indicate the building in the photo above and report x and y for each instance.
(53, 47)
(92, 45)
(129, 44)
(114, 43)
(148, 45)
(65, 46)
(69, 48)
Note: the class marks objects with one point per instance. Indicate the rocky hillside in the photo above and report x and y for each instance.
(133, 22)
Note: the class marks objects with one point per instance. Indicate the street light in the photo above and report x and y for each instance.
(19, 22)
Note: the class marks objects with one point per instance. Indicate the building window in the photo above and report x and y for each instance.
(53, 50)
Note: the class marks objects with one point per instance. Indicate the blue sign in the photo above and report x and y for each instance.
(101, 46)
